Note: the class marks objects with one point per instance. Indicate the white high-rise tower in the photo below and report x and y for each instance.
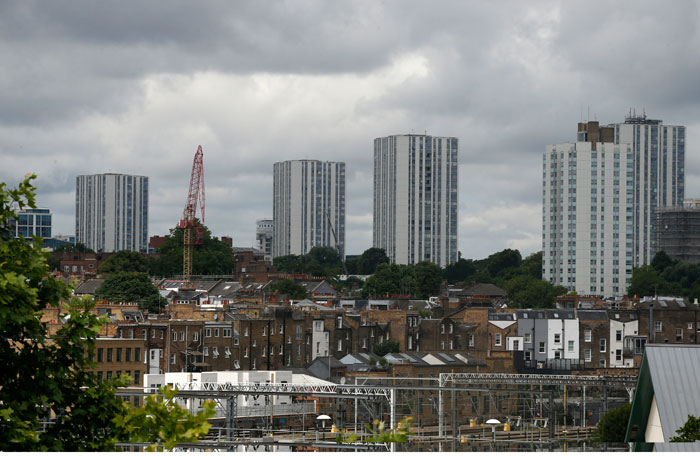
(415, 198)
(308, 205)
(599, 199)
(111, 212)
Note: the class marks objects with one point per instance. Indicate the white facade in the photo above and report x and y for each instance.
(307, 193)
(618, 331)
(319, 340)
(562, 339)
(415, 198)
(599, 202)
(263, 236)
(111, 212)
(659, 176)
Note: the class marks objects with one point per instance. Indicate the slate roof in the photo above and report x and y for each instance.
(675, 371)
(482, 289)
(88, 287)
(592, 315)
(667, 303)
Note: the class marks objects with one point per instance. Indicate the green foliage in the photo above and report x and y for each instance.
(40, 375)
(613, 425)
(289, 288)
(123, 287)
(387, 347)
(428, 279)
(126, 261)
(689, 432)
(212, 257)
(164, 423)
(367, 263)
(459, 271)
(77, 247)
(646, 281)
(320, 261)
(527, 292)
(661, 261)
(379, 433)
(390, 280)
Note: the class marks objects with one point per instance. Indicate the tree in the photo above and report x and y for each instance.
(390, 280)
(366, 264)
(125, 261)
(387, 347)
(503, 260)
(613, 425)
(459, 271)
(123, 287)
(212, 257)
(428, 279)
(77, 247)
(689, 432)
(532, 265)
(46, 377)
(661, 261)
(646, 281)
(527, 292)
(41, 375)
(165, 423)
(324, 260)
(289, 288)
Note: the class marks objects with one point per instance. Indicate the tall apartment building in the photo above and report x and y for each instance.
(415, 198)
(308, 206)
(32, 222)
(600, 196)
(111, 212)
(263, 236)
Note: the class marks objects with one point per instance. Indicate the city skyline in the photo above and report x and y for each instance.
(108, 91)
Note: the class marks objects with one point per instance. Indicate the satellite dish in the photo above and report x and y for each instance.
(342, 380)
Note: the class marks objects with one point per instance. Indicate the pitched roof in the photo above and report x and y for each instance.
(482, 289)
(89, 286)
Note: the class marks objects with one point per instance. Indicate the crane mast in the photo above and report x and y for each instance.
(192, 234)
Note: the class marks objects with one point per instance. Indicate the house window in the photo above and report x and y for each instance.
(289, 339)
(497, 339)
(471, 341)
(658, 326)
(317, 325)
(410, 343)
(109, 354)
(602, 363)
(153, 333)
(137, 354)
(174, 336)
(227, 333)
(264, 351)
(137, 377)
(528, 356)
(528, 338)
(245, 352)
(182, 336)
(281, 329)
(603, 344)
(442, 328)
(298, 352)
(254, 363)
(618, 335)
(364, 343)
(272, 330)
(679, 334)
(245, 331)
(207, 332)
(587, 355)
(451, 328)
(618, 355)
(236, 365)
(195, 336)
(172, 358)
(570, 346)
(216, 332)
(318, 348)
(298, 332)
(100, 354)
(215, 351)
(227, 352)
(205, 351)
(557, 338)
(542, 347)
(451, 344)
(442, 345)
(236, 341)
(255, 343)
(587, 335)
(127, 355)
(339, 322)
(690, 325)
(340, 345)
(516, 345)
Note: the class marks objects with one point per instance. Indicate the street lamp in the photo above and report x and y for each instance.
(493, 423)
(323, 418)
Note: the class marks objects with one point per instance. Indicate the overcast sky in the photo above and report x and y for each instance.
(133, 87)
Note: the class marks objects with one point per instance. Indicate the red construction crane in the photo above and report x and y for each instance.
(188, 222)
